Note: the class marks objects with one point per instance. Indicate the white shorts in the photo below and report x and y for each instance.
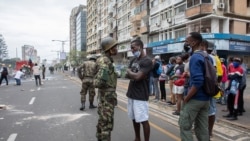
(138, 110)
(178, 89)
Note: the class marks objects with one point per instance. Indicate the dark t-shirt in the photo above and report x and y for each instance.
(139, 90)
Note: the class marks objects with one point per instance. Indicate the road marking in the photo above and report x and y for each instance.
(157, 128)
(12, 137)
(32, 100)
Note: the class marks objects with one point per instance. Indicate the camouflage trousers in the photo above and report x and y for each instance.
(87, 86)
(105, 123)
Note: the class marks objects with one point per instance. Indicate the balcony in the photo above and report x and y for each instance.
(135, 18)
(144, 13)
(134, 33)
(199, 10)
(134, 3)
(144, 29)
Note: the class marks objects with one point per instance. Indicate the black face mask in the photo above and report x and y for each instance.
(187, 48)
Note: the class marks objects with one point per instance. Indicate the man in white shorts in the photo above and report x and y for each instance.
(138, 90)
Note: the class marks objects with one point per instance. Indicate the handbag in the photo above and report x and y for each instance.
(180, 81)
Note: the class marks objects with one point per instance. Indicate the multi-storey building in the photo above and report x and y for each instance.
(163, 25)
(78, 28)
(223, 22)
(119, 12)
(29, 52)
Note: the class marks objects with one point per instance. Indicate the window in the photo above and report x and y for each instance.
(154, 3)
(206, 1)
(248, 28)
(180, 9)
(180, 33)
(191, 3)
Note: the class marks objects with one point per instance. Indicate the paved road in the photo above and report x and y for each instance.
(51, 113)
(223, 130)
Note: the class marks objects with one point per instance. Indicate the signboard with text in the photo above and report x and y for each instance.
(239, 46)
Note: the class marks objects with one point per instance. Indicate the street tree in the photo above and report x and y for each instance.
(3, 48)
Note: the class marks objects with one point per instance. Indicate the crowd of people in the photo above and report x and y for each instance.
(185, 74)
(36, 71)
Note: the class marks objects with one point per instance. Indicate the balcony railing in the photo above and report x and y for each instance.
(199, 10)
(144, 29)
(135, 18)
(134, 33)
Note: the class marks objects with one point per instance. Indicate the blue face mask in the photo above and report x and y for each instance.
(236, 64)
(137, 53)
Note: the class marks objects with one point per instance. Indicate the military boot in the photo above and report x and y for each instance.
(92, 106)
(83, 106)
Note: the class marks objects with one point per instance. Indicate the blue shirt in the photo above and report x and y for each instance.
(197, 73)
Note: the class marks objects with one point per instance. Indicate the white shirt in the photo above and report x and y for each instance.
(18, 74)
(36, 70)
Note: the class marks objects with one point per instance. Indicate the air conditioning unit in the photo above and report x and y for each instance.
(157, 24)
(169, 20)
(221, 5)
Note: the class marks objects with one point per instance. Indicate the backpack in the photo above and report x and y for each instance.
(5, 71)
(210, 85)
(159, 70)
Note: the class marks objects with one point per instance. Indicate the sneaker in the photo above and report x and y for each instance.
(232, 118)
(176, 113)
(227, 116)
(171, 104)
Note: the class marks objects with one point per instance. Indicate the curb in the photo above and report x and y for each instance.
(219, 120)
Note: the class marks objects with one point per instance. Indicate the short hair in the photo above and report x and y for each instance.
(185, 56)
(138, 42)
(204, 42)
(197, 36)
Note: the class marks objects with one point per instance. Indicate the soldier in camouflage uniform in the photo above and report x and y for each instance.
(105, 80)
(86, 73)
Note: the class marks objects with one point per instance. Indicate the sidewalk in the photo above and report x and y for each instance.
(242, 122)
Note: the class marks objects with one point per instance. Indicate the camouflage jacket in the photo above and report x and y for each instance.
(87, 69)
(106, 76)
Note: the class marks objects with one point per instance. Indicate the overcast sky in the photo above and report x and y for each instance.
(36, 22)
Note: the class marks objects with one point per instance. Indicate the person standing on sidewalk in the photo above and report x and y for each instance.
(106, 80)
(196, 103)
(170, 73)
(4, 74)
(157, 63)
(208, 48)
(162, 81)
(223, 82)
(86, 73)
(138, 89)
(235, 78)
(178, 88)
(36, 73)
(242, 87)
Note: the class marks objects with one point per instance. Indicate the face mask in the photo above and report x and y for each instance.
(187, 48)
(137, 53)
(236, 64)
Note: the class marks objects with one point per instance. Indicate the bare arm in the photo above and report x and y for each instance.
(135, 76)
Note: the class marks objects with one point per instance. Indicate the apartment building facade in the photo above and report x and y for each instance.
(163, 25)
(223, 22)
